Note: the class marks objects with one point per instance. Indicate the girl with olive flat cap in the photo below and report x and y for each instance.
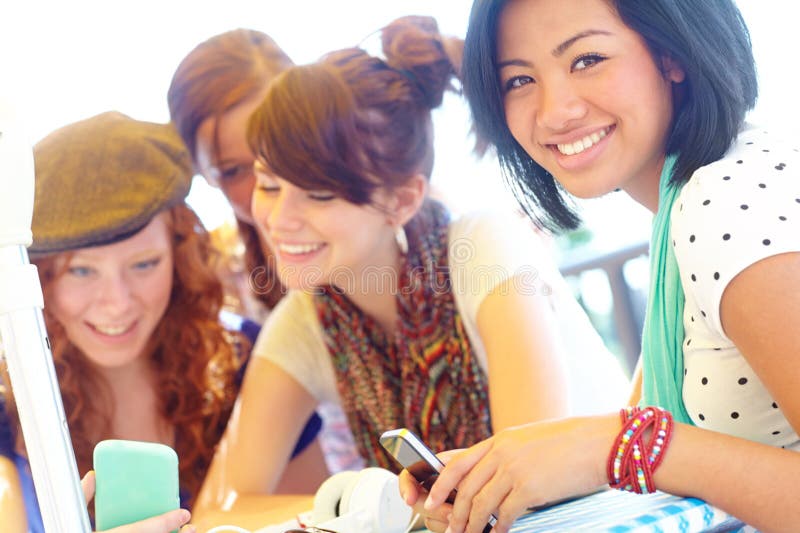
(132, 307)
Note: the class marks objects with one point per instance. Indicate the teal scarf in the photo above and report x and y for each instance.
(662, 338)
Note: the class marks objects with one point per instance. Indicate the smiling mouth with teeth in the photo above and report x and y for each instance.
(583, 144)
(111, 331)
(299, 249)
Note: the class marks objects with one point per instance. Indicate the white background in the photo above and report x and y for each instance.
(64, 61)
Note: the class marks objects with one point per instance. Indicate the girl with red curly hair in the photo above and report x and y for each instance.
(132, 308)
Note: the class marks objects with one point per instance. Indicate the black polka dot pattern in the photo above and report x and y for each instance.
(743, 207)
(730, 215)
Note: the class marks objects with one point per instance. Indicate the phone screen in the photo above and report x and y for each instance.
(415, 457)
(420, 461)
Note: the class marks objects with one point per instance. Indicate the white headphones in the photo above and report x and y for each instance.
(367, 501)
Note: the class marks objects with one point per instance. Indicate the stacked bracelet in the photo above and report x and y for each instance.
(632, 461)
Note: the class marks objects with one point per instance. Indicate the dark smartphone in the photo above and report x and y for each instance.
(420, 461)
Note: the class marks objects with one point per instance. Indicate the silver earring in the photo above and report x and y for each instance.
(402, 240)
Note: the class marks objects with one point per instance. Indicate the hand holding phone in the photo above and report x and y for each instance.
(420, 461)
(134, 481)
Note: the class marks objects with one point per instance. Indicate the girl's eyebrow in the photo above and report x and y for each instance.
(561, 48)
(513, 63)
(557, 51)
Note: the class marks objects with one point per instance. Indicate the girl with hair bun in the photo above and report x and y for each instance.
(454, 328)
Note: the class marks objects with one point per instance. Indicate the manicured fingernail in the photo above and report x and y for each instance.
(185, 516)
(428, 503)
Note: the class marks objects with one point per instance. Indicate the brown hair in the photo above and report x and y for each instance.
(195, 359)
(351, 122)
(217, 75)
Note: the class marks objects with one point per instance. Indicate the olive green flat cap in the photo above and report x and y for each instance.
(103, 179)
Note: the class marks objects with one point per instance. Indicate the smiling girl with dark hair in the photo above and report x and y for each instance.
(585, 97)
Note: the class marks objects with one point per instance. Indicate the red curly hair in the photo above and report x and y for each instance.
(196, 359)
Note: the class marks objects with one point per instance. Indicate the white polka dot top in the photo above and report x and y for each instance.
(731, 214)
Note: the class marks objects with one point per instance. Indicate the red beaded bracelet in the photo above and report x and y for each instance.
(632, 461)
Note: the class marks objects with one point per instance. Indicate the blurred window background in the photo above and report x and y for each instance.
(62, 61)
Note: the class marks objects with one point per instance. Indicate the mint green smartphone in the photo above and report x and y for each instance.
(135, 480)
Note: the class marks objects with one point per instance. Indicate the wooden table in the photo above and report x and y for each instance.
(255, 512)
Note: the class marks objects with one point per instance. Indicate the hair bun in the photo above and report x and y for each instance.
(413, 46)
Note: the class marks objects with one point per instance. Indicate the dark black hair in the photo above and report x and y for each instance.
(708, 39)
